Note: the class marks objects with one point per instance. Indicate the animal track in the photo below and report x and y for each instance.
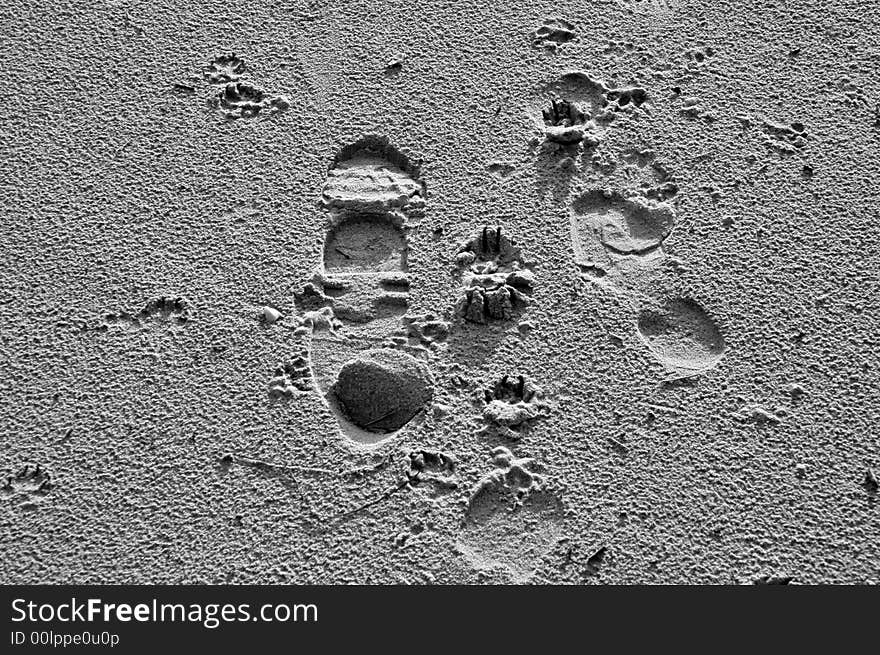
(697, 57)
(662, 185)
(625, 98)
(623, 226)
(691, 107)
(566, 123)
(500, 169)
(497, 282)
(581, 105)
(851, 93)
(163, 310)
(224, 68)
(243, 100)
(433, 471)
(292, 378)
(682, 336)
(27, 485)
(511, 405)
(785, 139)
(360, 340)
(553, 33)
(425, 331)
(238, 99)
(512, 519)
(394, 65)
(319, 317)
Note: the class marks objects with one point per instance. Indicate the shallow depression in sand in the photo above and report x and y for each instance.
(682, 335)
(624, 226)
(365, 243)
(514, 536)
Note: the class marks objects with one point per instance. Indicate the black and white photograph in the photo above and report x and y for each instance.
(438, 293)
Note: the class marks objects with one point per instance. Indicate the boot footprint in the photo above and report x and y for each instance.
(359, 296)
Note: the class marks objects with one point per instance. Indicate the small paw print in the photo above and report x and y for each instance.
(511, 405)
(291, 379)
(28, 482)
(224, 68)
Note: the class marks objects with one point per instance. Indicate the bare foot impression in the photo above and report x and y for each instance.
(512, 519)
(358, 341)
(618, 244)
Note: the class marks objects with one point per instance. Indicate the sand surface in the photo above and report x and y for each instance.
(596, 283)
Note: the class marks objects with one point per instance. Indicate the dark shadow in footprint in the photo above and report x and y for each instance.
(382, 389)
